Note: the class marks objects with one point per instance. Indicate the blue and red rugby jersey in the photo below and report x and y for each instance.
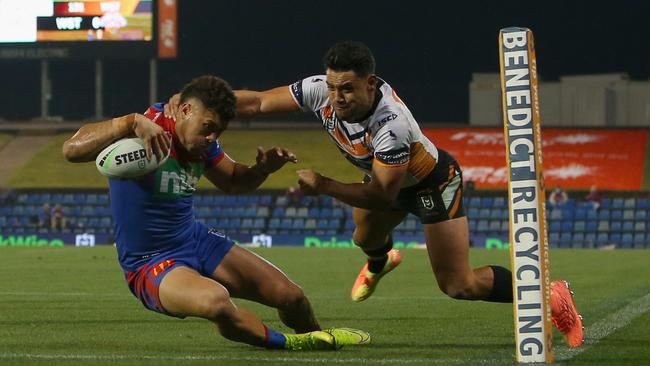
(153, 213)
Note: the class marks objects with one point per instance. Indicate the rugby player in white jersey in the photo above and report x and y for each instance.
(404, 173)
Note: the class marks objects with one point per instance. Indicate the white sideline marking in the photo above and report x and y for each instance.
(127, 294)
(604, 327)
(117, 357)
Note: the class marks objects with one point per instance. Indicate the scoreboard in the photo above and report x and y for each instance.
(56, 20)
(81, 28)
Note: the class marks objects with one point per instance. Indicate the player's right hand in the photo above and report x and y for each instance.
(156, 140)
(171, 107)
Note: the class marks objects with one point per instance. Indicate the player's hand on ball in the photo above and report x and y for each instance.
(309, 181)
(155, 139)
(171, 107)
(273, 159)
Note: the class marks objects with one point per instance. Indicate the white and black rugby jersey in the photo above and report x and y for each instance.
(389, 136)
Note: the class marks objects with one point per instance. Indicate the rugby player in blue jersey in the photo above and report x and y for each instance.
(176, 265)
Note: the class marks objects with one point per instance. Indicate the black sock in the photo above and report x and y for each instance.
(377, 258)
(502, 286)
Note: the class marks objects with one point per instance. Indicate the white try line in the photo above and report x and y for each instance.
(604, 327)
(307, 360)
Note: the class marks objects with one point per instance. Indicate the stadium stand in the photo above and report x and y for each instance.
(619, 221)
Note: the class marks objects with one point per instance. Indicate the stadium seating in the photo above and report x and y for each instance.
(622, 221)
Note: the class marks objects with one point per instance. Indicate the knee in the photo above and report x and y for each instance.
(216, 307)
(457, 289)
(291, 296)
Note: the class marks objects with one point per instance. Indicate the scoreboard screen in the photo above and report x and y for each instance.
(36, 21)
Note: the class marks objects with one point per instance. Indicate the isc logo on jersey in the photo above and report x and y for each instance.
(126, 158)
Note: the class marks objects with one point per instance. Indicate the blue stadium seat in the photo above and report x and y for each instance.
(482, 226)
(565, 240)
(274, 223)
(617, 203)
(580, 214)
(495, 226)
(615, 226)
(235, 223)
(554, 239)
(500, 202)
(472, 212)
(567, 225)
(639, 226)
(326, 212)
(334, 223)
(298, 223)
(484, 213)
(591, 226)
(628, 214)
(290, 212)
(286, 223)
(606, 203)
(259, 223)
(262, 211)
(592, 215)
(475, 202)
(616, 215)
(642, 203)
(555, 226)
(640, 215)
(603, 214)
(337, 212)
(349, 224)
(487, 202)
(247, 223)
(310, 224)
(578, 240)
(628, 226)
(603, 225)
(472, 225)
(555, 214)
(579, 226)
(615, 238)
(629, 203)
(279, 212)
(626, 240)
(602, 239)
(211, 222)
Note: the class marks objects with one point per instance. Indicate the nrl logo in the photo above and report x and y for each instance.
(427, 202)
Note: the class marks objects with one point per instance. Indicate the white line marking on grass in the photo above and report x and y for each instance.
(310, 360)
(604, 327)
(126, 293)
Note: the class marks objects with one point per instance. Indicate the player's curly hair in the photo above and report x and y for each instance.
(350, 55)
(215, 94)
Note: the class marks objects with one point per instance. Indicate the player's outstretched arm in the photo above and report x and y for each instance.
(93, 137)
(378, 194)
(251, 103)
(235, 178)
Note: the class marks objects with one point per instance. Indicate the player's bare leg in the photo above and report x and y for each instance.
(185, 292)
(249, 276)
(373, 235)
(448, 248)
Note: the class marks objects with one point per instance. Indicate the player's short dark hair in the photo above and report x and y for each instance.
(350, 55)
(215, 94)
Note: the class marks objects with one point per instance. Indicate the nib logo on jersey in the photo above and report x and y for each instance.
(176, 180)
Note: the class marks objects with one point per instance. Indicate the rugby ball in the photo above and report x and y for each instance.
(127, 158)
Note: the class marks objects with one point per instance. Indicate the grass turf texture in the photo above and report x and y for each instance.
(48, 168)
(71, 306)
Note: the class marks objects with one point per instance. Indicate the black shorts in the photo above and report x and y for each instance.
(438, 197)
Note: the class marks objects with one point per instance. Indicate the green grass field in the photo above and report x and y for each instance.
(48, 168)
(71, 306)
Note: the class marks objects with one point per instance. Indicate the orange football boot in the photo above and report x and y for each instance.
(564, 314)
(367, 281)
